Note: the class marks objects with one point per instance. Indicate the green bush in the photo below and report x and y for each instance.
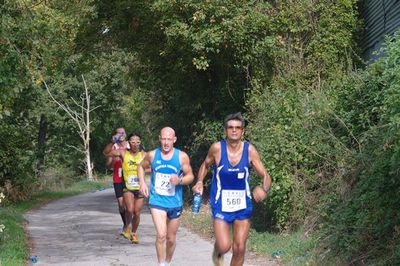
(363, 224)
(300, 150)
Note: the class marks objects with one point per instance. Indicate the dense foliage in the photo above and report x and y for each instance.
(34, 37)
(363, 224)
(326, 131)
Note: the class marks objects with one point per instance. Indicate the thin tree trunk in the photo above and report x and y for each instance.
(87, 131)
(41, 144)
(89, 169)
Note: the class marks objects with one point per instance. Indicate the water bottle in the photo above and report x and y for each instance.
(117, 138)
(33, 259)
(196, 203)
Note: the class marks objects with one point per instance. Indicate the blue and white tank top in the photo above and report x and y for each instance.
(162, 192)
(230, 187)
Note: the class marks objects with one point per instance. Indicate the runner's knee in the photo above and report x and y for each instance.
(238, 249)
(171, 239)
(161, 237)
(130, 209)
(223, 246)
(136, 213)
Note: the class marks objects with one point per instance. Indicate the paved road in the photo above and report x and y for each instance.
(84, 230)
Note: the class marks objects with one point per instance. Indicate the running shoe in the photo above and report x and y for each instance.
(218, 259)
(134, 238)
(127, 232)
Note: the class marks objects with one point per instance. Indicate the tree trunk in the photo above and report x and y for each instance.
(89, 168)
(41, 145)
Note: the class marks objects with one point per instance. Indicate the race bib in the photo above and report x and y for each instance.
(233, 200)
(120, 172)
(162, 185)
(133, 182)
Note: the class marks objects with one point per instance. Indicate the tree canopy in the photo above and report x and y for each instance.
(324, 122)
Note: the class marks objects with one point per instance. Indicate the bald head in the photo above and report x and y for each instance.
(167, 131)
(167, 139)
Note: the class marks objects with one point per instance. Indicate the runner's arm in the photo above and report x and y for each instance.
(208, 161)
(114, 153)
(109, 163)
(188, 176)
(148, 169)
(109, 160)
(144, 164)
(259, 192)
(107, 148)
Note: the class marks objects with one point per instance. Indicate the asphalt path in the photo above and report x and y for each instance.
(84, 230)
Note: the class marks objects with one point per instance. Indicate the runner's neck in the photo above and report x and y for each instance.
(234, 146)
(134, 152)
(121, 144)
(235, 151)
(167, 155)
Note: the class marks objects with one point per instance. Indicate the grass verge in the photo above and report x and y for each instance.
(13, 241)
(287, 249)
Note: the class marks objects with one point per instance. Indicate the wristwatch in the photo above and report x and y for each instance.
(266, 189)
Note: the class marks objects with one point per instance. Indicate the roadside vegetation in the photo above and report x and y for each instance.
(285, 249)
(14, 243)
(325, 121)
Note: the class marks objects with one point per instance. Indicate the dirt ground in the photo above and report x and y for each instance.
(84, 230)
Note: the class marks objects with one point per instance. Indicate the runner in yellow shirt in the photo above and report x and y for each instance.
(132, 197)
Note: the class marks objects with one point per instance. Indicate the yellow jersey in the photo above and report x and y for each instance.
(129, 169)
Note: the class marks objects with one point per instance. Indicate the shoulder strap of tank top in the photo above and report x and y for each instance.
(246, 152)
(126, 157)
(157, 155)
(224, 155)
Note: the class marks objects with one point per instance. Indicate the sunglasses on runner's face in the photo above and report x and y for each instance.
(135, 142)
(234, 127)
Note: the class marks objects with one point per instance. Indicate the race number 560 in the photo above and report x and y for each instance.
(233, 200)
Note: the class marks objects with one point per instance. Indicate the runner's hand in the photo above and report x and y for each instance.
(118, 137)
(198, 188)
(115, 138)
(259, 194)
(174, 180)
(144, 190)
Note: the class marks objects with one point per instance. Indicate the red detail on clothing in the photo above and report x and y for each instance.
(117, 178)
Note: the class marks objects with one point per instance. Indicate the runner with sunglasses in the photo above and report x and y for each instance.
(230, 196)
(133, 199)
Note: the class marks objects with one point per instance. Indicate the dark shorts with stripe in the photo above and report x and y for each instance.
(172, 213)
(118, 189)
(136, 193)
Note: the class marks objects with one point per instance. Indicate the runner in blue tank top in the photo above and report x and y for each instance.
(230, 196)
(170, 170)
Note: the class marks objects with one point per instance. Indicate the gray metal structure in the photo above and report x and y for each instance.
(381, 18)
